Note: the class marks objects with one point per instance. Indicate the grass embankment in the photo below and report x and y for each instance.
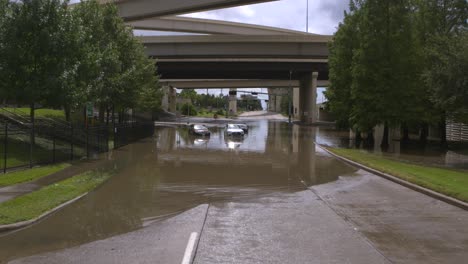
(30, 174)
(34, 204)
(49, 113)
(18, 149)
(449, 182)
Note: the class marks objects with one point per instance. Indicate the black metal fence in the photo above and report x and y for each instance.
(58, 143)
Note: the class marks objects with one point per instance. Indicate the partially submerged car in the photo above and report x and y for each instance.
(200, 130)
(233, 130)
(243, 127)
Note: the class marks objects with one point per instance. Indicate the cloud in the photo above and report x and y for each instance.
(324, 15)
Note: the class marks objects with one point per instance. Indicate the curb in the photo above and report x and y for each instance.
(412, 186)
(37, 219)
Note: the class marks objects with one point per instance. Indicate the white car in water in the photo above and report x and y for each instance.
(233, 130)
(243, 127)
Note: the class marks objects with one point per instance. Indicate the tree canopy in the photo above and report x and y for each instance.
(58, 56)
(398, 63)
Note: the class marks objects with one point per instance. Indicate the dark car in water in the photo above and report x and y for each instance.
(200, 130)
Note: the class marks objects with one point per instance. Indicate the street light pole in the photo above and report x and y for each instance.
(307, 17)
(289, 97)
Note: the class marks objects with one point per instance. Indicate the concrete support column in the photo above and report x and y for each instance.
(296, 108)
(279, 98)
(165, 98)
(271, 100)
(308, 98)
(172, 99)
(232, 101)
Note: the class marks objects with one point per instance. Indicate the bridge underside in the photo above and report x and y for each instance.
(241, 83)
(239, 70)
(234, 52)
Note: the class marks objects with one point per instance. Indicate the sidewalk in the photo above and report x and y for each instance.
(13, 191)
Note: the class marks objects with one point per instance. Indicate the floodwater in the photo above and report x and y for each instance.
(430, 154)
(174, 171)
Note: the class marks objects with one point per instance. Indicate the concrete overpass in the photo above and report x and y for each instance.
(223, 83)
(131, 10)
(232, 51)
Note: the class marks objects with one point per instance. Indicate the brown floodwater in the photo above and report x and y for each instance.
(172, 172)
(430, 154)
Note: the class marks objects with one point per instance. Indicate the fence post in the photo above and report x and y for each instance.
(31, 144)
(53, 143)
(71, 142)
(5, 144)
(87, 142)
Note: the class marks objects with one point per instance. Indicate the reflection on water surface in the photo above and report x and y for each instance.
(174, 171)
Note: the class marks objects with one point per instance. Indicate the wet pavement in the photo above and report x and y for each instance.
(270, 197)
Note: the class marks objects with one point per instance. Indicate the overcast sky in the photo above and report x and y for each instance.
(324, 15)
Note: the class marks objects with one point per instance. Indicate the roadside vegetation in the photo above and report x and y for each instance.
(206, 105)
(32, 205)
(16, 177)
(400, 64)
(57, 56)
(48, 113)
(453, 183)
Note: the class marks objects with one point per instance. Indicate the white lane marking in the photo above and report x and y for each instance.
(189, 249)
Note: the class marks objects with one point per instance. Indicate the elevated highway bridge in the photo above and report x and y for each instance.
(228, 52)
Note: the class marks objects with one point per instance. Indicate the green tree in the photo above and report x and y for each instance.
(340, 62)
(383, 86)
(442, 29)
(189, 110)
(32, 63)
(114, 70)
(150, 93)
(447, 76)
(5, 14)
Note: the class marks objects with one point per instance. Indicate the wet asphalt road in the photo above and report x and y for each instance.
(272, 197)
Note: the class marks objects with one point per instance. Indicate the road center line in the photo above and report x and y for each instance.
(189, 249)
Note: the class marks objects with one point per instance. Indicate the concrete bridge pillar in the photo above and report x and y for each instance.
(232, 101)
(271, 100)
(279, 98)
(295, 102)
(172, 99)
(165, 98)
(308, 98)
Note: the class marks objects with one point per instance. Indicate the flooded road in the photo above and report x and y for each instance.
(430, 154)
(173, 172)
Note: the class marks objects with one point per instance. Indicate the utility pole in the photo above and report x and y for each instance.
(289, 97)
(307, 17)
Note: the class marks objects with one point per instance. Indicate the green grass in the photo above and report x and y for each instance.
(207, 114)
(34, 204)
(453, 183)
(49, 113)
(30, 174)
(18, 151)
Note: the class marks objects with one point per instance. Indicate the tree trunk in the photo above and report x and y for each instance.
(113, 115)
(369, 142)
(384, 144)
(424, 133)
(358, 138)
(67, 113)
(32, 120)
(102, 110)
(443, 131)
(32, 139)
(405, 137)
(107, 116)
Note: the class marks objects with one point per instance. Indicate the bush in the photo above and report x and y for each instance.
(220, 112)
(188, 109)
